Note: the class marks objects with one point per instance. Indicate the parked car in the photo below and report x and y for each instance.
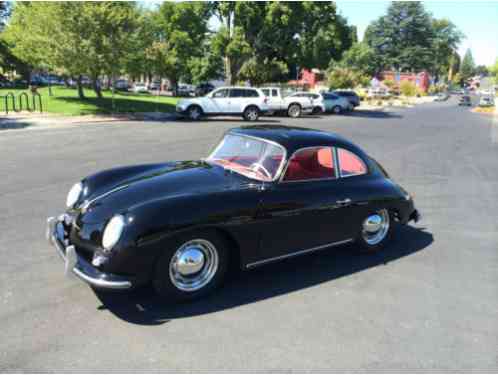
(352, 96)
(155, 85)
(265, 193)
(486, 101)
(140, 87)
(291, 105)
(248, 102)
(378, 92)
(336, 104)
(441, 97)
(203, 89)
(465, 100)
(122, 85)
(318, 105)
(185, 89)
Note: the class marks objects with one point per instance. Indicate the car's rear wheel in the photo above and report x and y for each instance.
(294, 110)
(191, 266)
(375, 231)
(194, 112)
(337, 109)
(251, 113)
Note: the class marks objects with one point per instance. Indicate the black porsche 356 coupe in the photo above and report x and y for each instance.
(265, 193)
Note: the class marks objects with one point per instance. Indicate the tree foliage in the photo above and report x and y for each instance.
(467, 68)
(408, 38)
(344, 78)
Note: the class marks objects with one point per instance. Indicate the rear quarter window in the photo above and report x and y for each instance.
(350, 164)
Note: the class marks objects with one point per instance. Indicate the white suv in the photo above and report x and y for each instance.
(246, 101)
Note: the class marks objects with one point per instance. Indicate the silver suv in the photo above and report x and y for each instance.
(248, 102)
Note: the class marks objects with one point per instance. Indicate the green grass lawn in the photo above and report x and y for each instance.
(65, 101)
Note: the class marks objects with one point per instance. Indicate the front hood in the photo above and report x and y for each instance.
(143, 184)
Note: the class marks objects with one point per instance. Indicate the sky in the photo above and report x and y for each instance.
(478, 20)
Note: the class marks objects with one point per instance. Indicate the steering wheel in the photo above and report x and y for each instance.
(257, 166)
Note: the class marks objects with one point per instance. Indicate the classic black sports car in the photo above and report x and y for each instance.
(265, 193)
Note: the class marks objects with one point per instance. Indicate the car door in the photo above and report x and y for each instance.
(217, 102)
(307, 209)
(237, 100)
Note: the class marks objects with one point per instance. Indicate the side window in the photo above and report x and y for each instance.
(236, 93)
(310, 164)
(274, 92)
(266, 92)
(350, 164)
(250, 93)
(223, 93)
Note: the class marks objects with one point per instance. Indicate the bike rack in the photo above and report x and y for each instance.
(37, 95)
(24, 95)
(6, 102)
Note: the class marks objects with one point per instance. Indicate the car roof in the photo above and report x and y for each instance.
(238, 87)
(294, 138)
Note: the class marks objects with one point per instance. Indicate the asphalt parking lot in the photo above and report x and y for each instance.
(428, 302)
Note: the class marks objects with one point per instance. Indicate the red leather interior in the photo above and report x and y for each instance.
(310, 164)
(350, 163)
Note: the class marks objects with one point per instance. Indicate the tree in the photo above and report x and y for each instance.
(493, 70)
(180, 33)
(77, 38)
(344, 78)
(444, 45)
(362, 58)
(403, 37)
(467, 68)
(290, 34)
(481, 70)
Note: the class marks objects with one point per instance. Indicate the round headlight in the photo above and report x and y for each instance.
(74, 194)
(113, 231)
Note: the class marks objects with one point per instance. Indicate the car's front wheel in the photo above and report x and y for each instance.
(317, 111)
(375, 231)
(192, 266)
(194, 112)
(251, 113)
(294, 110)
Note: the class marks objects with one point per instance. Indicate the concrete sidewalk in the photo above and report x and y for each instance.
(21, 120)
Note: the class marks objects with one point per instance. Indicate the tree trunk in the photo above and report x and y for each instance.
(97, 87)
(81, 94)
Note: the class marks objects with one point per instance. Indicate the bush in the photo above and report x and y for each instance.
(408, 88)
(344, 78)
(389, 83)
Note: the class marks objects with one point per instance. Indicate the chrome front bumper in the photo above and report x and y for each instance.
(76, 265)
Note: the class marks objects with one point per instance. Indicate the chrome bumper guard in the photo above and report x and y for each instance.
(76, 265)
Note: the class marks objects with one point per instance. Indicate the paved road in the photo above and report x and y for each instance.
(430, 301)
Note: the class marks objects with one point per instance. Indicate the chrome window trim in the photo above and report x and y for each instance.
(336, 173)
(297, 253)
(351, 175)
(280, 167)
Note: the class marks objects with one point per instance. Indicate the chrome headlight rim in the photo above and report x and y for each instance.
(74, 194)
(113, 232)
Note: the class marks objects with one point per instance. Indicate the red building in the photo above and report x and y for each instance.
(308, 78)
(421, 80)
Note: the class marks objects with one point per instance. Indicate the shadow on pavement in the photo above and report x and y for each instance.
(143, 307)
(372, 114)
(13, 124)
(228, 119)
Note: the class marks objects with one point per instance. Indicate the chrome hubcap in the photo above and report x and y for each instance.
(252, 114)
(193, 265)
(375, 227)
(294, 111)
(194, 114)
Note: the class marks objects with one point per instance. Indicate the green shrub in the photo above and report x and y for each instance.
(408, 88)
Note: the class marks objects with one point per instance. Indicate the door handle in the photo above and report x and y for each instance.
(343, 202)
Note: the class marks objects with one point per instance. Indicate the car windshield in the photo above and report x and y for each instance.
(255, 158)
